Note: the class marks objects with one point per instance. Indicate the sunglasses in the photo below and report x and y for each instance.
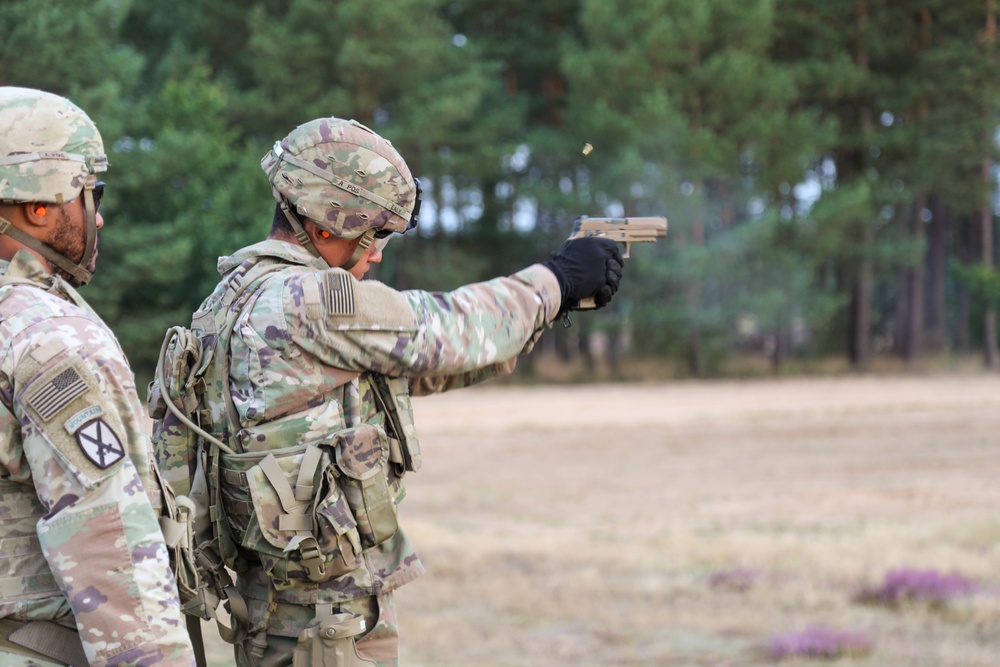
(98, 195)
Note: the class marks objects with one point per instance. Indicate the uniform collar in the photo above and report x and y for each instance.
(25, 267)
(289, 253)
(24, 264)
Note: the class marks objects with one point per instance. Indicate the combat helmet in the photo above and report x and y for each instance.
(344, 177)
(51, 152)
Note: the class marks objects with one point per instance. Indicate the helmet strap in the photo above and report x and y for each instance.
(78, 273)
(293, 220)
(91, 242)
(363, 245)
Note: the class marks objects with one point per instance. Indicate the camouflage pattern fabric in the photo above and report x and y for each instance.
(377, 193)
(14, 660)
(379, 645)
(68, 145)
(78, 497)
(305, 352)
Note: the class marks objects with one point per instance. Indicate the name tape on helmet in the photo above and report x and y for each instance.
(347, 186)
(93, 162)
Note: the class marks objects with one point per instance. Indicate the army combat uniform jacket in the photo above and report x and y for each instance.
(315, 353)
(79, 499)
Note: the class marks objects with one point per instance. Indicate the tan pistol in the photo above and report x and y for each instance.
(621, 230)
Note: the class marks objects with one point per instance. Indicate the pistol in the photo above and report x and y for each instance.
(622, 230)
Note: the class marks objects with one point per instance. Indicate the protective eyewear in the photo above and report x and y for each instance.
(386, 233)
(98, 195)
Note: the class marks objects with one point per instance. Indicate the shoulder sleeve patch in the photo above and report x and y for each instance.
(56, 393)
(100, 444)
(44, 353)
(338, 293)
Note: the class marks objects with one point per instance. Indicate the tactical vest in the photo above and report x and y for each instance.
(304, 513)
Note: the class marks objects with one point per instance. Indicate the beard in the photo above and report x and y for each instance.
(70, 241)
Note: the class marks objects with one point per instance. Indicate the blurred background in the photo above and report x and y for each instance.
(828, 168)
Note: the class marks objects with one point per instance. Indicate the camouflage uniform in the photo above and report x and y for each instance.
(300, 375)
(77, 484)
(308, 349)
(79, 495)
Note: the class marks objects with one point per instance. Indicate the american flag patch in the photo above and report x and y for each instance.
(57, 394)
(339, 294)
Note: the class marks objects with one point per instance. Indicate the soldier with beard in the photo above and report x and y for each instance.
(85, 572)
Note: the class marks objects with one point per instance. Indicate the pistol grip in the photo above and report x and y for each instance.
(587, 304)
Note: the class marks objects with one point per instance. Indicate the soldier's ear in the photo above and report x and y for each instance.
(38, 215)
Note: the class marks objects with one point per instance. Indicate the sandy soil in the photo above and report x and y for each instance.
(586, 525)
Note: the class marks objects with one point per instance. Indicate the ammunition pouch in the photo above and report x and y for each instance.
(306, 513)
(362, 456)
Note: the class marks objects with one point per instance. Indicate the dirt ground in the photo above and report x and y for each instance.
(586, 525)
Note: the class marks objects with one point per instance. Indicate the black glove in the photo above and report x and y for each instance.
(591, 266)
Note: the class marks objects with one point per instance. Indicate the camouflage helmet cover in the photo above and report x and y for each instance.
(343, 177)
(48, 147)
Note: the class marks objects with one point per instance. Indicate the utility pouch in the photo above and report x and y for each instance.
(393, 396)
(362, 455)
(286, 509)
(331, 642)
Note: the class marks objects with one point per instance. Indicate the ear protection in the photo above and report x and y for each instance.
(325, 234)
(40, 209)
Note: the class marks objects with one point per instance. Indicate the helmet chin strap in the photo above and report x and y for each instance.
(303, 238)
(293, 220)
(79, 274)
(363, 245)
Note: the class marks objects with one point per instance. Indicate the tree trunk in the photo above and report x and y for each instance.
(986, 239)
(861, 310)
(986, 212)
(915, 321)
(861, 295)
(937, 258)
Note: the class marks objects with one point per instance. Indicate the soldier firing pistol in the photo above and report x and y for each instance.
(622, 230)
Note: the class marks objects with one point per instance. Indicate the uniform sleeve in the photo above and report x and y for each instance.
(83, 440)
(456, 338)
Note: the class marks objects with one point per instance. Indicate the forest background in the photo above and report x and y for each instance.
(828, 167)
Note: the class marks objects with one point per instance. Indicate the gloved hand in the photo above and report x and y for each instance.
(591, 266)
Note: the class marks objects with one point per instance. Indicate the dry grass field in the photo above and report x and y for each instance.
(689, 523)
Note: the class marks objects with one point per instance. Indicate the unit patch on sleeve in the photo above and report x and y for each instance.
(57, 393)
(100, 444)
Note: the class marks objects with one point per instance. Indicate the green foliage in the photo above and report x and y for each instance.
(184, 189)
(796, 147)
(983, 283)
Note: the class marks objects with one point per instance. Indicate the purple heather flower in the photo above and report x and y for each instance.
(928, 586)
(820, 642)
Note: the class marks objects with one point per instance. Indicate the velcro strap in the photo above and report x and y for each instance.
(276, 476)
(295, 522)
(307, 473)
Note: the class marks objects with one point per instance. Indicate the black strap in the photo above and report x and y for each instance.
(197, 641)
